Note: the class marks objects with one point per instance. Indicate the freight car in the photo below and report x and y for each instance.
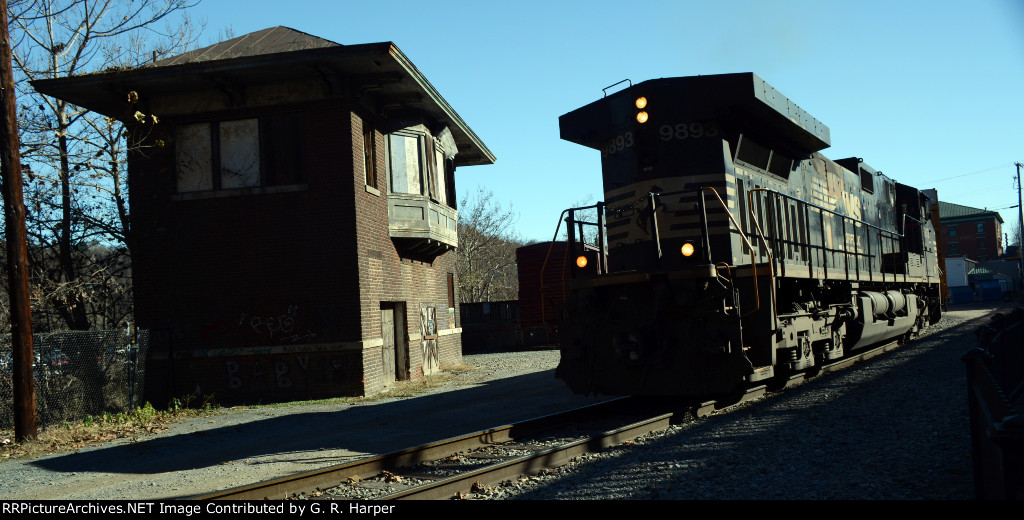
(728, 250)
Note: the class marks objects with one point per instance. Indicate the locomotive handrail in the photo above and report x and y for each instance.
(568, 246)
(883, 236)
(543, 267)
(605, 90)
(753, 263)
(882, 233)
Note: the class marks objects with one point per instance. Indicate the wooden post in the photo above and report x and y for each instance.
(17, 248)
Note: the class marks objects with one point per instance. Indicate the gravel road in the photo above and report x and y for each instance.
(894, 427)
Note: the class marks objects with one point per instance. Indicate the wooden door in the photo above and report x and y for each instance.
(428, 330)
(387, 330)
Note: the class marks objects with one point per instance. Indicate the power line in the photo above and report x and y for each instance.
(972, 173)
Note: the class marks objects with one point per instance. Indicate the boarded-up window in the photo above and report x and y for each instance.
(194, 157)
(405, 164)
(451, 291)
(441, 193)
(281, 140)
(369, 155)
(239, 153)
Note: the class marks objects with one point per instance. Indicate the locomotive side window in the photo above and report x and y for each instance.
(780, 164)
(867, 181)
(763, 157)
(753, 153)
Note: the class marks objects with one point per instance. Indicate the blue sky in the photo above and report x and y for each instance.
(929, 92)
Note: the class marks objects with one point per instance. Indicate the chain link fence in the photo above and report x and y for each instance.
(77, 374)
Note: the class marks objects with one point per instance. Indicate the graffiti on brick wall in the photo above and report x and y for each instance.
(281, 372)
(279, 327)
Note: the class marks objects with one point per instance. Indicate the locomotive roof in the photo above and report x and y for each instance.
(744, 99)
(270, 56)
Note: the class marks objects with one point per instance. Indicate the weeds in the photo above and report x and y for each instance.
(96, 430)
(106, 427)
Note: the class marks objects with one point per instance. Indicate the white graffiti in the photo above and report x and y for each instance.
(280, 327)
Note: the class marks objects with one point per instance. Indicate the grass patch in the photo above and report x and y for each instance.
(100, 429)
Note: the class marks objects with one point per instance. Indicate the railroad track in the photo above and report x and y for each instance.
(458, 466)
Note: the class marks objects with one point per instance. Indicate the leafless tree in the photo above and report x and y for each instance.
(79, 220)
(487, 249)
(1013, 235)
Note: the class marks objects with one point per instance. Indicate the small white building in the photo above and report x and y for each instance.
(957, 269)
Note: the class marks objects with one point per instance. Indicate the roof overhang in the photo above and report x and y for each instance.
(378, 70)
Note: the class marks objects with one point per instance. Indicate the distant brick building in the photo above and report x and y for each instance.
(293, 216)
(970, 232)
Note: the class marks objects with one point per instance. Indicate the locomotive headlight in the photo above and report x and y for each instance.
(687, 249)
(641, 104)
(581, 261)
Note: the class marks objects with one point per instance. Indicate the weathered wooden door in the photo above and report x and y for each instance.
(387, 330)
(401, 344)
(428, 330)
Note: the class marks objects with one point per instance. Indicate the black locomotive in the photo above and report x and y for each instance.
(727, 249)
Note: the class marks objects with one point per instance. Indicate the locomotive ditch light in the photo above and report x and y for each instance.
(581, 261)
(687, 249)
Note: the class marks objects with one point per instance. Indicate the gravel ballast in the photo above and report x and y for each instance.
(893, 427)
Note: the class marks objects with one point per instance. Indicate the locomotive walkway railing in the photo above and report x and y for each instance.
(789, 220)
(787, 234)
(600, 243)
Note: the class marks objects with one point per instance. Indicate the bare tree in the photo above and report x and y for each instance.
(79, 225)
(487, 250)
(1013, 234)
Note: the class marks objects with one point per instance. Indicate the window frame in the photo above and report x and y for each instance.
(435, 183)
(277, 166)
(370, 173)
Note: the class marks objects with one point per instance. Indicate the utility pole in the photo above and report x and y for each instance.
(17, 245)
(1020, 230)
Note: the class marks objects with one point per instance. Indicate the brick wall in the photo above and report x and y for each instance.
(275, 294)
(269, 268)
(986, 244)
(386, 276)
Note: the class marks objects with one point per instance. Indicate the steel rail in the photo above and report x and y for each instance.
(532, 463)
(285, 487)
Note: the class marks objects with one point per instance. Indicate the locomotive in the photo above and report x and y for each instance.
(727, 249)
